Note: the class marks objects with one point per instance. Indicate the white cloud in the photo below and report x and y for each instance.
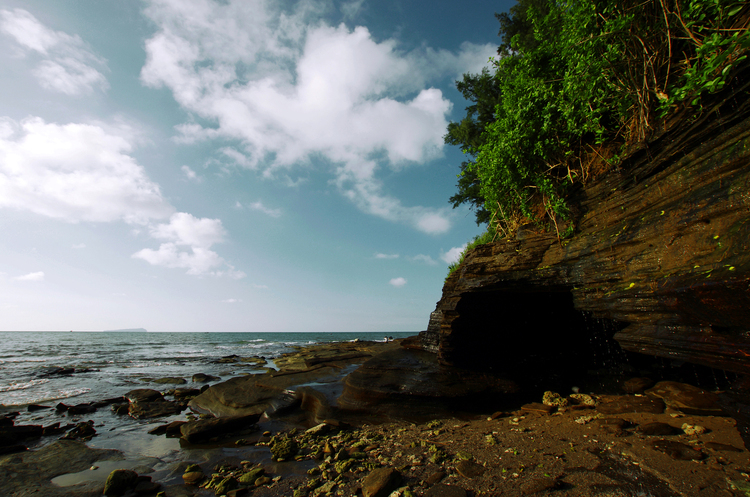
(190, 174)
(74, 172)
(38, 276)
(288, 88)
(231, 301)
(67, 64)
(398, 282)
(188, 242)
(453, 255)
(258, 206)
(78, 246)
(386, 256)
(424, 258)
(82, 172)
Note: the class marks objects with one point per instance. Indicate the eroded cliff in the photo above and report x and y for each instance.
(660, 255)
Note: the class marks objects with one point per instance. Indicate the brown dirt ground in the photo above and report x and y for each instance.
(521, 453)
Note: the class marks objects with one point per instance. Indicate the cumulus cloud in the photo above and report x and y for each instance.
(386, 256)
(74, 172)
(38, 276)
(231, 301)
(258, 206)
(66, 64)
(78, 246)
(288, 88)
(453, 255)
(187, 245)
(83, 172)
(398, 282)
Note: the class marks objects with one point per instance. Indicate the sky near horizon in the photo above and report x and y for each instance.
(232, 165)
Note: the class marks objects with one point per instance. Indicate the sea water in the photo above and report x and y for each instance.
(119, 361)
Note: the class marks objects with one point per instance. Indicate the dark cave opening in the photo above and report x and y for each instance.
(541, 341)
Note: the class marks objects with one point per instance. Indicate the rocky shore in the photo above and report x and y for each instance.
(385, 419)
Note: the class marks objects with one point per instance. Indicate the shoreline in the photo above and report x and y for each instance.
(569, 450)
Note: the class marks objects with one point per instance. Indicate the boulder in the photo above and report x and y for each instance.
(82, 431)
(204, 378)
(203, 430)
(381, 482)
(235, 397)
(119, 482)
(147, 410)
(169, 380)
(143, 395)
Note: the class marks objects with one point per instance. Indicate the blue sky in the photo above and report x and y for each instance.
(233, 165)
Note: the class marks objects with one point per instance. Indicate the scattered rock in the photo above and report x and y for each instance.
(692, 430)
(381, 482)
(119, 482)
(170, 429)
(144, 395)
(204, 429)
(470, 469)
(193, 477)
(82, 431)
(583, 399)
(204, 378)
(147, 410)
(37, 407)
(435, 478)
(170, 380)
(554, 399)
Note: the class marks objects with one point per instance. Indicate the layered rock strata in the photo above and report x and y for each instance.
(660, 255)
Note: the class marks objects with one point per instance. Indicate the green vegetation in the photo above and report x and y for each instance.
(575, 86)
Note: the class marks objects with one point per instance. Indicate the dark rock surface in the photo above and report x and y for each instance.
(414, 378)
(203, 430)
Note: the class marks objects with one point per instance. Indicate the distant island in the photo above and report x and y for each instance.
(130, 330)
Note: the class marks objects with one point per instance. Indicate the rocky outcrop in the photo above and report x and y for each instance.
(660, 255)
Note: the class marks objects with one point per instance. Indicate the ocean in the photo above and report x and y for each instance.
(117, 361)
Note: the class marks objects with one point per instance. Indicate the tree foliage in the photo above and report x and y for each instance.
(577, 82)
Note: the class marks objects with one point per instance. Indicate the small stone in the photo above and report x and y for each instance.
(554, 399)
(435, 478)
(469, 469)
(692, 430)
(263, 480)
(193, 478)
(381, 482)
(119, 481)
(583, 399)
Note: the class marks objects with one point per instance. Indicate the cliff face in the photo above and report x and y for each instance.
(660, 255)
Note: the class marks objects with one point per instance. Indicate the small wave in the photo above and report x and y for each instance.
(45, 397)
(22, 386)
